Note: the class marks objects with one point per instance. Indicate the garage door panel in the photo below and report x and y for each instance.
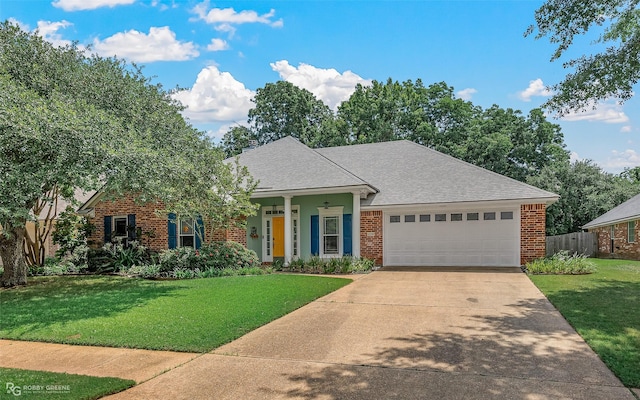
(452, 243)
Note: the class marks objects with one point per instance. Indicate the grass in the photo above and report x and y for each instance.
(604, 308)
(21, 383)
(188, 315)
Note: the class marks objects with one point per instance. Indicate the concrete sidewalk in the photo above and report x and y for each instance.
(404, 333)
(134, 364)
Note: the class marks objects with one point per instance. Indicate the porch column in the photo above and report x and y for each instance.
(355, 225)
(288, 238)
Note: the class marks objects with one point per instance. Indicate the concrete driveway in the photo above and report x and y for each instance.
(408, 334)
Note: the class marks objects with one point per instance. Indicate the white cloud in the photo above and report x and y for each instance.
(573, 157)
(49, 32)
(215, 97)
(536, 88)
(466, 94)
(20, 24)
(328, 85)
(224, 19)
(76, 5)
(159, 45)
(626, 129)
(218, 45)
(620, 160)
(610, 113)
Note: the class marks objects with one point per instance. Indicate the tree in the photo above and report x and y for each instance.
(586, 192)
(70, 121)
(611, 73)
(283, 109)
(503, 141)
(236, 139)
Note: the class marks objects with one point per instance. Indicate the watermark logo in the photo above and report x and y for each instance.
(16, 390)
(13, 389)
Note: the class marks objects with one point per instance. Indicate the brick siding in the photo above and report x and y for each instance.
(146, 219)
(371, 235)
(621, 246)
(532, 232)
(234, 234)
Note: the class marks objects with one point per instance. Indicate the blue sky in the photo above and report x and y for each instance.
(219, 53)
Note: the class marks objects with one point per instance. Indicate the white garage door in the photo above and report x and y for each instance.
(458, 238)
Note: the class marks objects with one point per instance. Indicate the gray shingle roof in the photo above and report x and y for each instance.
(403, 172)
(409, 173)
(627, 211)
(287, 164)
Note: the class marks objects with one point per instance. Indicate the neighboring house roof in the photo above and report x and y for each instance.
(287, 165)
(399, 173)
(627, 211)
(80, 197)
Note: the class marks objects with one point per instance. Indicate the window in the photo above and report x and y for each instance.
(631, 231)
(119, 228)
(506, 215)
(331, 235)
(472, 216)
(425, 217)
(187, 233)
(441, 217)
(489, 216)
(409, 218)
(456, 217)
(394, 218)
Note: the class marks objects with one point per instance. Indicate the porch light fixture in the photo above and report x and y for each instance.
(326, 205)
(274, 208)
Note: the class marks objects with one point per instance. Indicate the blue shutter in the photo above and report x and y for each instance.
(346, 235)
(200, 232)
(315, 235)
(172, 231)
(107, 229)
(131, 227)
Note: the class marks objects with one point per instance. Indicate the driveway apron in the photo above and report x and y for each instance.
(404, 333)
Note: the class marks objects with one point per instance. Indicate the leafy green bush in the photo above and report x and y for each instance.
(123, 257)
(317, 265)
(561, 263)
(208, 261)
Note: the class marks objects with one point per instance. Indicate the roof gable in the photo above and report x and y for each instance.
(288, 165)
(629, 210)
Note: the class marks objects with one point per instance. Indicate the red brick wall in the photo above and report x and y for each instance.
(234, 234)
(371, 235)
(532, 232)
(146, 219)
(621, 246)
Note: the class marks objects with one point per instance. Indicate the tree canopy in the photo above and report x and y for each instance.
(71, 121)
(613, 72)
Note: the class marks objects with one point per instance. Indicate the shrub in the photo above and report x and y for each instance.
(209, 258)
(561, 263)
(123, 257)
(317, 265)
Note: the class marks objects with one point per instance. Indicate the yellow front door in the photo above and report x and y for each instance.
(278, 236)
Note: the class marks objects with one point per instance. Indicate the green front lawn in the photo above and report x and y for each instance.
(604, 307)
(21, 383)
(187, 315)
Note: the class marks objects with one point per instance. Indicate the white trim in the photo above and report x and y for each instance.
(330, 212)
(179, 234)
(364, 190)
(288, 227)
(268, 216)
(355, 225)
(113, 227)
(460, 205)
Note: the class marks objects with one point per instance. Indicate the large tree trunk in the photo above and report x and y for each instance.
(12, 255)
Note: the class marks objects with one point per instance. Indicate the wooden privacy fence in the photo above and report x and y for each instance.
(579, 242)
